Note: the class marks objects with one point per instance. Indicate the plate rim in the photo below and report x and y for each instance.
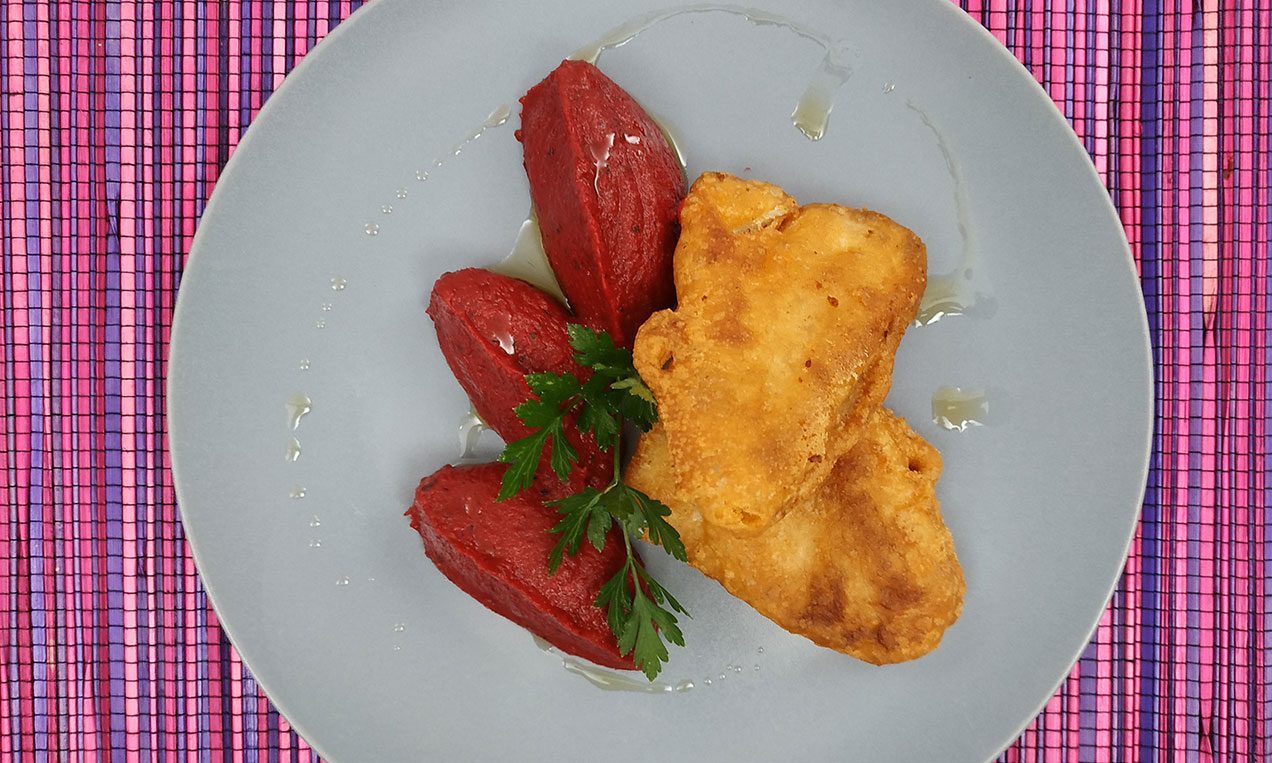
(347, 27)
(1145, 335)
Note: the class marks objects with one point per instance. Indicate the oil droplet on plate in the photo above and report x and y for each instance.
(338, 284)
(498, 116)
(669, 135)
(528, 262)
(630, 29)
(470, 428)
(610, 680)
(298, 406)
(945, 296)
(951, 293)
(812, 111)
(297, 492)
(956, 409)
(371, 229)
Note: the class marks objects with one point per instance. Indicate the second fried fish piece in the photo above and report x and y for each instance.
(782, 312)
(864, 565)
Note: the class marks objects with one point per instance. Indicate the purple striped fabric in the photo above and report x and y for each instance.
(116, 118)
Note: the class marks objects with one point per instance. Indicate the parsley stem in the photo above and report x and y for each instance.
(630, 568)
(618, 456)
(613, 393)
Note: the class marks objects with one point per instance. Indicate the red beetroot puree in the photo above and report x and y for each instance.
(498, 554)
(494, 330)
(607, 188)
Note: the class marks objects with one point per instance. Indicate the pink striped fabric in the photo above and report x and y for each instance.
(116, 117)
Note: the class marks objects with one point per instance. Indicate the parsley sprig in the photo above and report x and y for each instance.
(640, 612)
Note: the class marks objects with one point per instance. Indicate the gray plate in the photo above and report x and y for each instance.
(371, 653)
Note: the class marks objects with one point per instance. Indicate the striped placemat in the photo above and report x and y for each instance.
(116, 117)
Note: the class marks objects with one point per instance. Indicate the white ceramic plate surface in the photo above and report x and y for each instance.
(370, 652)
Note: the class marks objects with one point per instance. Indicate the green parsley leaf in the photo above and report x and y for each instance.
(633, 601)
(576, 512)
(637, 608)
(553, 389)
(650, 515)
(598, 413)
(554, 392)
(636, 387)
(522, 456)
(616, 599)
(646, 625)
(638, 411)
(563, 453)
(597, 352)
(598, 525)
(660, 595)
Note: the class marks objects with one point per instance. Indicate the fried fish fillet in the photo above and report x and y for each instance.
(788, 481)
(863, 565)
(782, 312)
